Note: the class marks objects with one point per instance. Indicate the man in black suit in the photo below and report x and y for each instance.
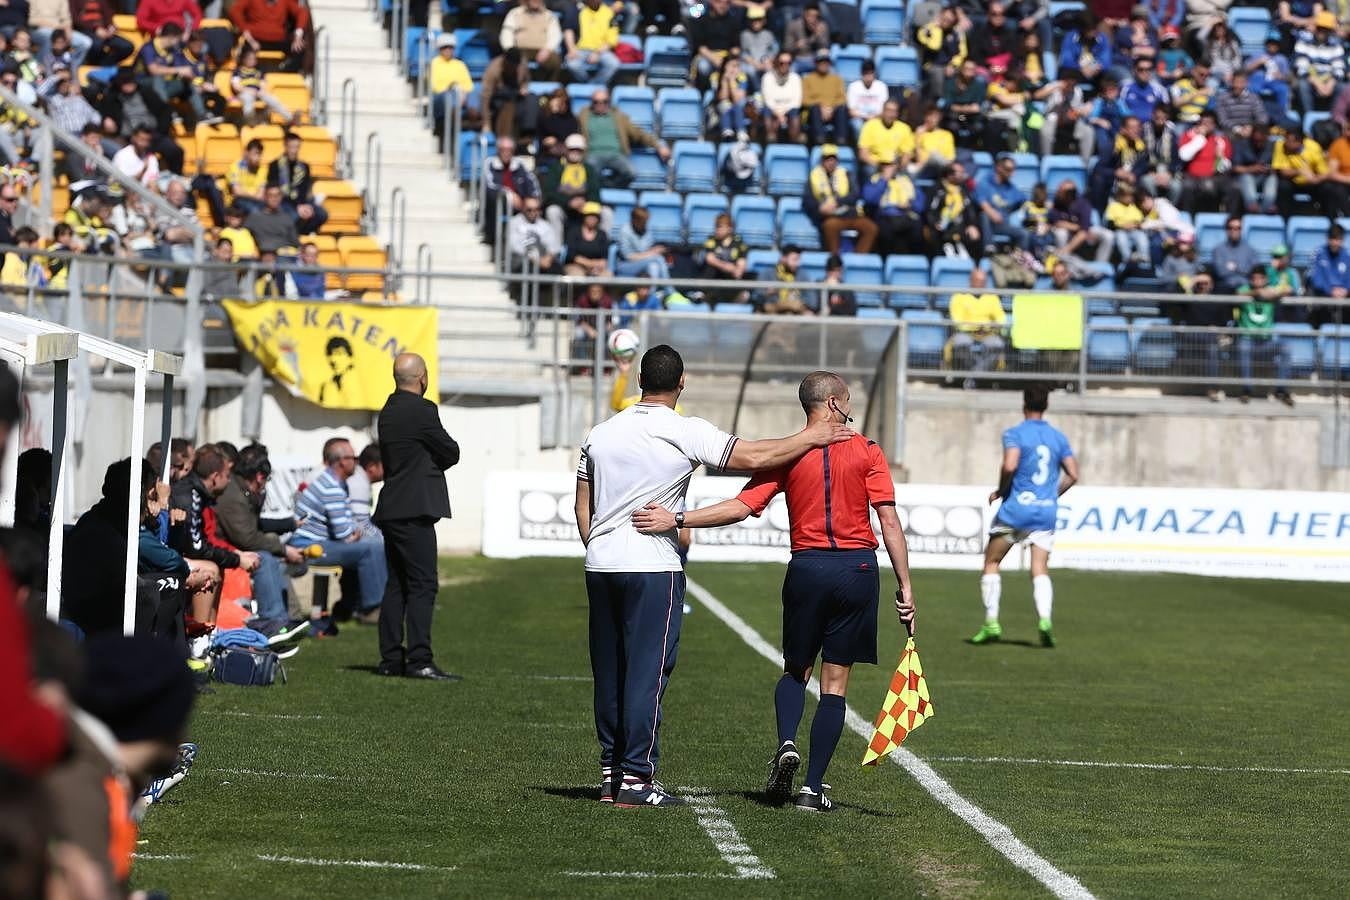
(416, 452)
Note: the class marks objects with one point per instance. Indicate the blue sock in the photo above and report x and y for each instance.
(789, 700)
(825, 731)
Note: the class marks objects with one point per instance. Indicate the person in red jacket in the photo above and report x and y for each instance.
(273, 25)
(152, 15)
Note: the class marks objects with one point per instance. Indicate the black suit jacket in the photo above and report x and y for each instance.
(416, 451)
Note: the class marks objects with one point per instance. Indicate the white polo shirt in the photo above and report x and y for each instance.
(645, 454)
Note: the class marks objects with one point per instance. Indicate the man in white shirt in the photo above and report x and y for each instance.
(866, 96)
(646, 455)
(781, 91)
(135, 159)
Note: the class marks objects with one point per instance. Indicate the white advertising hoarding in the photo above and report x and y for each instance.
(1253, 534)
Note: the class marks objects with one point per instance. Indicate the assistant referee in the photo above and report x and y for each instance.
(832, 583)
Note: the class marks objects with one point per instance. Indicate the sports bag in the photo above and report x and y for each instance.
(248, 668)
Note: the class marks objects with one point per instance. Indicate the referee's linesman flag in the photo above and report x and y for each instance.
(906, 707)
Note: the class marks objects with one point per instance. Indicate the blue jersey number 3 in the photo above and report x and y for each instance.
(1042, 465)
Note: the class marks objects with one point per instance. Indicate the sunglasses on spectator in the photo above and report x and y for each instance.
(9, 198)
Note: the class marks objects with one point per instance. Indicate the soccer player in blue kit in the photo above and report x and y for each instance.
(1030, 485)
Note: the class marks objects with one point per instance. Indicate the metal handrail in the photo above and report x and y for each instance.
(398, 225)
(323, 72)
(422, 283)
(374, 173)
(347, 128)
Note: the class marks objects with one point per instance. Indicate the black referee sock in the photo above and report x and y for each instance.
(825, 730)
(789, 700)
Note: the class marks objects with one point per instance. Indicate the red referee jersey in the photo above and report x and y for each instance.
(830, 492)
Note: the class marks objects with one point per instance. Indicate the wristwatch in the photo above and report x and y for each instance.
(679, 520)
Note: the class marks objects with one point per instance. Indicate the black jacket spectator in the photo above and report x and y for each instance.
(108, 101)
(189, 538)
(294, 177)
(15, 15)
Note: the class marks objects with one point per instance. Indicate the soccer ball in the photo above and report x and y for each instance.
(623, 344)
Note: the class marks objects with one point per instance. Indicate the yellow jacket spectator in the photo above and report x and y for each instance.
(1299, 159)
(977, 345)
(977, 313)
(886, 138)
(448, 72)
(596, 28)
(1192, 95)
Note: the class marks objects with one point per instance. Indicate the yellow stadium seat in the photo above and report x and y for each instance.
(218, 147)
(215, 23)
(125, 22)
(380, 297)
(361, 251)
(318, 149)
(270, 135)
(60, 198)
(291, 90)
(343, 203)
(326, 243)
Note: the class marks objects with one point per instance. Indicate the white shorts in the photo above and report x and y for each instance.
(1043, 539)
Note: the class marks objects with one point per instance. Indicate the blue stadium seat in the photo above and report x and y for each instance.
(723, 151)
(1312, 117)
(695, 166)
(1028, 171)
(1056, 169)
(812, 268)
(1304, 234)
(755, 219)
(897, 66)
(649, 173)
(667, 60)
(1264, 233)
(1108, 345)
(883, 22)
(1050, 63)
(1299, 344)
(471, 155)
(543, 88)
(950, 272)
(679, 112)
(848, 157)
(795, 226)
(863, 268)
(734, 338)
(475, 53)
(927, 337)
(691, 336)
(848, 60)
(622, 202)
(982, 163)
(1208, 232)
(1096, 306)
(763, 264)
(700, 212)
(638, 103)
(579, 96)
(906, 271)
(1250, 24)
(1334, 347)
(786, 167)
(667, 216)
(1155, 345)
(875, 339)
(416, 51)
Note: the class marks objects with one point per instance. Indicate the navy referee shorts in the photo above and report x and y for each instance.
(830, 608)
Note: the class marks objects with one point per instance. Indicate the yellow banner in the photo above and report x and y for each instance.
(338, 355)
(1047, 322)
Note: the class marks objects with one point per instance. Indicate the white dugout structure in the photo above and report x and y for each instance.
(27, 342)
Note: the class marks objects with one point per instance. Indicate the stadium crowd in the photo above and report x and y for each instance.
(1110, 140)
(93, 725)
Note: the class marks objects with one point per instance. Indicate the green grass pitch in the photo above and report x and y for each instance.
(1236, 689)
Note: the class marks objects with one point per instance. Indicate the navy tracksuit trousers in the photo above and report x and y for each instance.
(634, 634)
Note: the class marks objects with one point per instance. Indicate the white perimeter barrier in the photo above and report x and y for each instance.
(1296, 535)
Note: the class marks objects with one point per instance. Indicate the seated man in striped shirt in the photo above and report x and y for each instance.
(324, 509)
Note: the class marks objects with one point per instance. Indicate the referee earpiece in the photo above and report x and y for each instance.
(835, 408)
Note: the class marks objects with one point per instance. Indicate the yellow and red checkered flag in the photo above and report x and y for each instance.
(906, 707)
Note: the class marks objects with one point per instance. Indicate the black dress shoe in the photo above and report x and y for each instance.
(431, 673)
(391, 669)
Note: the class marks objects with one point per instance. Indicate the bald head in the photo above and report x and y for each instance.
(818, 387)
(410, 373)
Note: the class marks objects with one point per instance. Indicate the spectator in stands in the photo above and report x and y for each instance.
(536, 33)
(271, 226)
(1087, 50)
(1192, 94)
(639, 253)
(78, 167)
(238, 521)
(556, 122)
(943, 43)
(1143, 94)
(88, 218)
(506, 95)
(1223, 51)
(1255, 320)
(1008, 108)
(842, 303)
(723, 256)
(325, 512)
(1071, 223)
(9, 203)
(806, 36)
(934, 146)
(593, 297)
(51, 24)
(1180, 264)
(781, 91)
(611, 136)
(1233, 258)
(127, 105)
(999, 201)
(952, 218)
(529, 236)
(21, 272)
(731, 89)
(136, 161)
(1127, 222)
(825, 104)
(590, 46)
(1126, 163)
(786, 301)
(221, 284)
(249, 87)
(369, 472)
(175, 239)
(1173, 61)
(998, 38)
(1301, 167)
(964, 98)
(1269, 73)
(449, 79)
(245, 247)
(759, 46)
(1065, 118)
(977, 345)
(508, 183)
(1239, 109)
(311, 282)
(885, 139)
(867, 98)
(181, 453)
(892, 201)
(247, 179)
(833, 203)
(67, 105)
(570, 186)
(1335, 193)
(94, 19)
(1206, 154)
(153, 15)
(1284, 284)
(297, 186)
(1160, 141)
(587, 246)
(1319, 62)
(273, 25)
(1135, 42)
(640, 299)
(1329, 274)
(163, 65)
(714, 35)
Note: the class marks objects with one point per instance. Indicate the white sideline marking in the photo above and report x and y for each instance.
(999, 836)
(650, 875)
(735, 851)
(162, 856)
(559, 677)
(253, 715)
(1166, 767)
(354, 863)
(265, 774)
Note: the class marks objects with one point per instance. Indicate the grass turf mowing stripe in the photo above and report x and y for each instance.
(998, 835)
(354, 863)
(264, 774)
(621, 875)
(732, 848)
(1165, 767)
